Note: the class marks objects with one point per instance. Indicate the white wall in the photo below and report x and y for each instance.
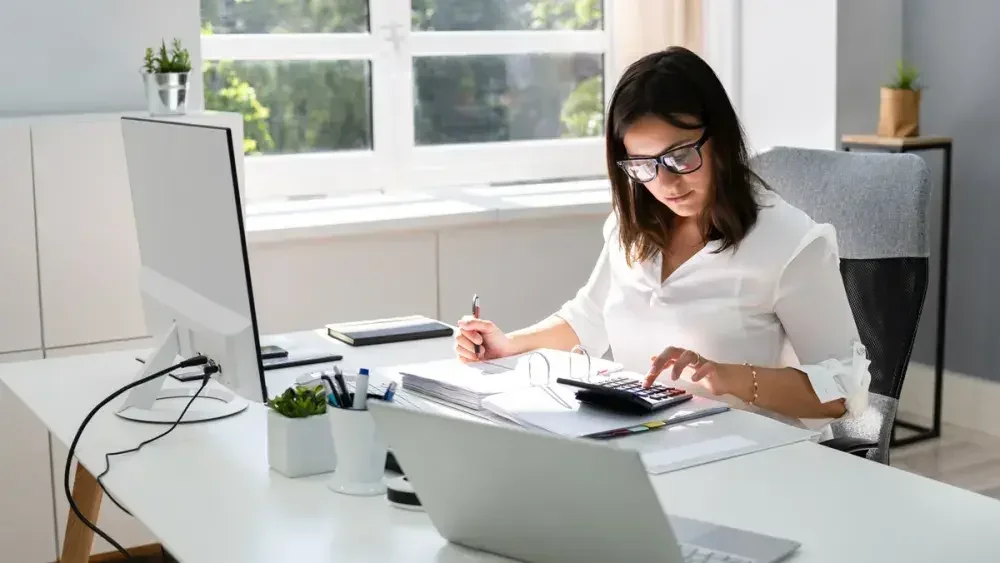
(76, 56)
(811, 71)
(869, 42)
(788, 80)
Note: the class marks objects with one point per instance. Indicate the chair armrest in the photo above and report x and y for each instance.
(850, 445)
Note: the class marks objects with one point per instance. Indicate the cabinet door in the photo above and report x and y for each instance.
(25, 489)
(88, 254)
(20, 317)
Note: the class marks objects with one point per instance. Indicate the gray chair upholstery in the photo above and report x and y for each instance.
(878, 205)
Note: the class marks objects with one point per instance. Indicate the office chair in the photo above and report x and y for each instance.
(878, 205)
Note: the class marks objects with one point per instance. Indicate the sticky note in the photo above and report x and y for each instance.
(654, 424)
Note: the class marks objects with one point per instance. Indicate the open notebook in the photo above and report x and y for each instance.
(467, 385)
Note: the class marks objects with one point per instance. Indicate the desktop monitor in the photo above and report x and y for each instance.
(195, 272)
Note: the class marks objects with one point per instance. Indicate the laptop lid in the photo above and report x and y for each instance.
(527, 495)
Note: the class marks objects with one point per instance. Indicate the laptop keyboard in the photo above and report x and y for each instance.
(695, 554)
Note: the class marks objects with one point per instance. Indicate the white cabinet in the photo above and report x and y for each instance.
(20, 327)
(306, 284)
(521, 270)
(88, 254)
(88, 259)
(25, 486)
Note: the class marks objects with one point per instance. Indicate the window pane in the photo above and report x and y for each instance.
(494, 15)
(294, 106)
(470, 99)
(284, 16)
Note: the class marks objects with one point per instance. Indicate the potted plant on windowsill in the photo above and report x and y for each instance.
(299, 440)
(166, 75)
(899, 108)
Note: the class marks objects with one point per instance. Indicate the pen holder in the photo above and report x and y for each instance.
(360, 452)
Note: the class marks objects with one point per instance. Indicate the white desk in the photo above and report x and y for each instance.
(207, 493)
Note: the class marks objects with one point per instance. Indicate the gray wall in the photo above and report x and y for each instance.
(78, 56)
(955, 45)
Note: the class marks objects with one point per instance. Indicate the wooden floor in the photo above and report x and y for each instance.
(964, 458)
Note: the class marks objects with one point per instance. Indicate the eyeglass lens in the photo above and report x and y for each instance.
(681, 161)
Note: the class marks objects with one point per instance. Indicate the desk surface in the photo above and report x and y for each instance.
(207, 493)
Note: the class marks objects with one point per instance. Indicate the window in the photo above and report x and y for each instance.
(353, 95)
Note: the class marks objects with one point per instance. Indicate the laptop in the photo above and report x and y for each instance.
(541, 498)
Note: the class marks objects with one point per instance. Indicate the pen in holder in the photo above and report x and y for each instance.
(360, 453)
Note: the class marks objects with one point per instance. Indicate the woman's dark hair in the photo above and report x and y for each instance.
(679, 87)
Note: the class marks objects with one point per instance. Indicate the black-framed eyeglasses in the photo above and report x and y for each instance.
(680, 160)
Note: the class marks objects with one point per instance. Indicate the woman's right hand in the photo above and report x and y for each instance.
(493, 343)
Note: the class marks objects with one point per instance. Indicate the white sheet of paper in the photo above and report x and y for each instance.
(662, 461)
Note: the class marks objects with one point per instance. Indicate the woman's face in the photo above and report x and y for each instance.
(687, 195)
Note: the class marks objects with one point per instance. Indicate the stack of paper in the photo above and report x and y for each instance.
(467, 385)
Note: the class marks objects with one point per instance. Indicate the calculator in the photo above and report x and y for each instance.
(627, 395)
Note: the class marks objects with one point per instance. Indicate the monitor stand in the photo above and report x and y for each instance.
(162, 400)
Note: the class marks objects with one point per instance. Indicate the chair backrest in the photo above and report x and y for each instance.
(878, 205)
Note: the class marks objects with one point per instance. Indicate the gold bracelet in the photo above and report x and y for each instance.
(753, 374)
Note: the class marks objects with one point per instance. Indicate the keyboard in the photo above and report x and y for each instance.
(695, 554)
(627, 394)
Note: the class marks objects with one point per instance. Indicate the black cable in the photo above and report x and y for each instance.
(209, 370)
(194, 361)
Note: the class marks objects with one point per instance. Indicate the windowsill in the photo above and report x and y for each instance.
(361, 214)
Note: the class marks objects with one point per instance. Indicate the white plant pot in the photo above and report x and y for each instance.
(297, 447)
(361, 453)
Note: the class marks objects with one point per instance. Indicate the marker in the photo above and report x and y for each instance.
(475, 314)
(360, 390)
(332, 399)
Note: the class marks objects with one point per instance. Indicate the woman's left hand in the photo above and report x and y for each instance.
(717, 378)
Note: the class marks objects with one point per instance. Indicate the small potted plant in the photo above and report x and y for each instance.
(166, 75)
(299, 441)
(899, 110)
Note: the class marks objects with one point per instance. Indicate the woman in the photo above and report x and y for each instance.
(705, 271)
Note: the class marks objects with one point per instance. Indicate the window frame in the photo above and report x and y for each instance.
(395, 161)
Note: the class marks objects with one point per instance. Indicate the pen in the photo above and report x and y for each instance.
(360, 390)
(326, 379)
(345, 398)
(332, 399)
(475, 313)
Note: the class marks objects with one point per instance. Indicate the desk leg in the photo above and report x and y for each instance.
(79, 539)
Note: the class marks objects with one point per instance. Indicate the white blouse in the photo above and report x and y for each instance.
(777, 300)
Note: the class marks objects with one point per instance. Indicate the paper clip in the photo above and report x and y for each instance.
(548, 379)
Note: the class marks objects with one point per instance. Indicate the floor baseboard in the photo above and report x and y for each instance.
(969, 402)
